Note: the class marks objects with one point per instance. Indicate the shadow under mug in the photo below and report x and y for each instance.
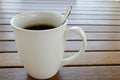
(41, 51)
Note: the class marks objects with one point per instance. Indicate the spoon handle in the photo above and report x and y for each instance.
(67, 13)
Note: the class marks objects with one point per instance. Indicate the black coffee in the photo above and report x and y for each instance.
(39, 27)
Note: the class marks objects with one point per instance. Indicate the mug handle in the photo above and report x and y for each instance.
(83, 36)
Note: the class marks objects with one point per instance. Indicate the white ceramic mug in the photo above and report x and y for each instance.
(41, 51)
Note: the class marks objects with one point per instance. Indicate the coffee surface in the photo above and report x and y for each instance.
(39, 27)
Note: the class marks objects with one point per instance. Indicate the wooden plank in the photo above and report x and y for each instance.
(10, 60)
(80, 22)
(10, 46)
(96, 36)
(86, 59)
(59, 4)
(75, 17)
(8, 36)
(60, 1)
(4, 21)
(98, 29)
(6, 28)
(95, 58)
(93, 45)
(94, 22)
(7, 16)
(112, 9)
(16, 11)
(74, 6)
(96, 17)
(67, 73)
(53, 1)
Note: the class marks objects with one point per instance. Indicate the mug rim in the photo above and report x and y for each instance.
(27, 12)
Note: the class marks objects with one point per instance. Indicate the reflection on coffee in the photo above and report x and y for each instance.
(39, 27)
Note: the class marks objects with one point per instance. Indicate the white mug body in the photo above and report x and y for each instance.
(41, 51)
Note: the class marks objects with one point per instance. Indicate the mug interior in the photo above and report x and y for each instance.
(31, 18)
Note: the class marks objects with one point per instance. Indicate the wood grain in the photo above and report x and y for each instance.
(6, 28)
(100, 19)
(80, 22)
(53, 4)
(54, 1)
(59, 7)
(10, 60)
(93, 46)
(10, 46)
(86, 59)
(75, 17)
(9, 36)
(16, 11)
(95, 58)
(67, 73)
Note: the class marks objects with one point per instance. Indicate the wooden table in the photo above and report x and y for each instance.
(100, 19)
